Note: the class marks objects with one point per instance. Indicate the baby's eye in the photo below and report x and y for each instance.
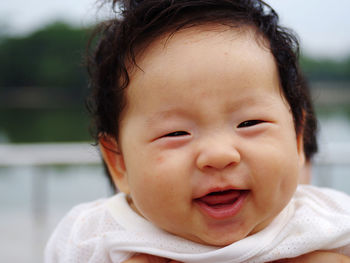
(249, 123)
(176, 133)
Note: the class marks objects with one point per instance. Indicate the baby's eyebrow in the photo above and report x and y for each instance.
(166, 114)
(262, 100)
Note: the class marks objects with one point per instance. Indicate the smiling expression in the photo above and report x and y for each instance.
(207, 141)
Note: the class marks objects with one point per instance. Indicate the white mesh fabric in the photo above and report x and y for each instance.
(321, 222)
(80, 235)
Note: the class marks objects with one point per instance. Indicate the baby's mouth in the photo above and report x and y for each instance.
(222, 204)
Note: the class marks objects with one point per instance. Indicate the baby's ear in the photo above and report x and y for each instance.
(300, 142)
(115, 162)
(300, 145)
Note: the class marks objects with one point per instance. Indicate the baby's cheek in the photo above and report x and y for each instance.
(170, 164)
(159, 160)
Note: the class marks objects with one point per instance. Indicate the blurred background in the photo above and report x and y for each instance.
(47, 161)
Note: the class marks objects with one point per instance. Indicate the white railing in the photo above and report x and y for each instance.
(48, 154)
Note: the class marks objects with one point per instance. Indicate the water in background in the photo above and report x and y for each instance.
(34, 199)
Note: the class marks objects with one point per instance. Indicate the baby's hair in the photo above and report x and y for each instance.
(139, 22)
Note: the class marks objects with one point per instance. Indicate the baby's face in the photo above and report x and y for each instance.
(208, 143)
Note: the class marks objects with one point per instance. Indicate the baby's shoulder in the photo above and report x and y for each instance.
(81, 231)
(90, 220)
(83, 222)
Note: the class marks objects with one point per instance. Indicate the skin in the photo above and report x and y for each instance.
(305, 173)
(313, 257)
(317, 257)
(206, 112)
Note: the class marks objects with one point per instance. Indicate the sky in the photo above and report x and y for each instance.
(323, 26)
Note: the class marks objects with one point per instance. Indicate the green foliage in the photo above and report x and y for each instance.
(326, 69)
(43, 83)
(45, 125)
(49, 58)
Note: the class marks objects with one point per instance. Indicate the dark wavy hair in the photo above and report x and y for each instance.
(138, 22)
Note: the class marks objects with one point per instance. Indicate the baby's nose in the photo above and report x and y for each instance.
(218, 154)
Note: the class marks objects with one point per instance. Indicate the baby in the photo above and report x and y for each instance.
(200, 109)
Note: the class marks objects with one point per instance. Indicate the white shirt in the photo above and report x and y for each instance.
(109, 230)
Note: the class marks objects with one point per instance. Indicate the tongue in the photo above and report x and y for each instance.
(218, 198)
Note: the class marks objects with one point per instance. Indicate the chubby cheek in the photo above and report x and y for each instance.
(275, 179)
(160, 185)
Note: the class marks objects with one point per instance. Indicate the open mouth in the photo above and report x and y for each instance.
(222, 204)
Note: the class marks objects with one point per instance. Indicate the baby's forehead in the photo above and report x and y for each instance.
(219, 53)
(185, 39)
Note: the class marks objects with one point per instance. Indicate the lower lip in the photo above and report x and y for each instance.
(223, 211)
